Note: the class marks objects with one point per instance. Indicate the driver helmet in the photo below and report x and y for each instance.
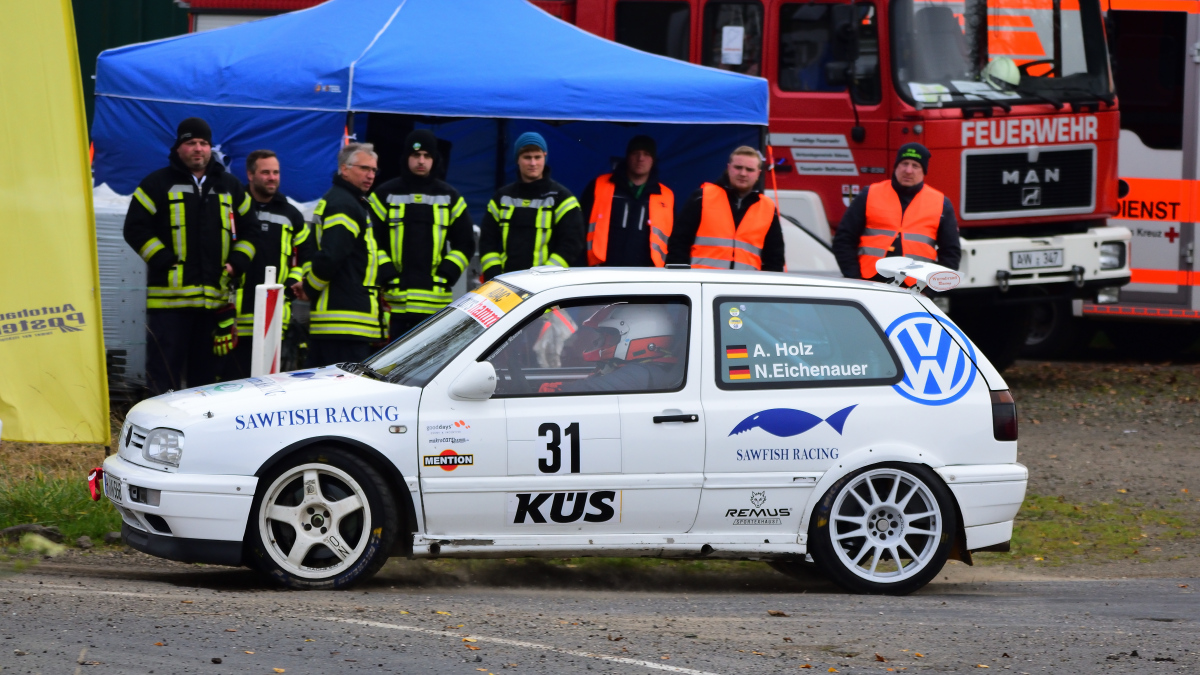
(630, 332)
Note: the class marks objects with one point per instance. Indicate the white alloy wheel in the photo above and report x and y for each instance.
(315, 521)
(886, 526)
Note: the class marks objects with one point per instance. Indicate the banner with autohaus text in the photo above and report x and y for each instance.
(53, 386)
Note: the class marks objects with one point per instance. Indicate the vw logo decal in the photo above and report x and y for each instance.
(936, 371)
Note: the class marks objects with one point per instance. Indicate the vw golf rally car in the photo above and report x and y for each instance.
(586, 412)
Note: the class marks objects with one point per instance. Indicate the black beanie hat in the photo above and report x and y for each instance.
(192, 127)
(914, 151)
(642, 143)
(421, 139)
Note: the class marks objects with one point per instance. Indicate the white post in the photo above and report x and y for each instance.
(268, 326)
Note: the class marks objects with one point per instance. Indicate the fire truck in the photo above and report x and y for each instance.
(1014, 98)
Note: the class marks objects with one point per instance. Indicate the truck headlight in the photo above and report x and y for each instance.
(164, 446)
(1112, 255)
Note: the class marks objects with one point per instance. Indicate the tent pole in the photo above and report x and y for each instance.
(349, 128)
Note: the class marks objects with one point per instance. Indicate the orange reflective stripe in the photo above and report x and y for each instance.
(1164, 277)
(918, 225)
(722, 245)
(1162, 199)
(597, 233)
(1189, 6)
(662, 221)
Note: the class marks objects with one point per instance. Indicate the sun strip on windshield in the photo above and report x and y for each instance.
(490, 302)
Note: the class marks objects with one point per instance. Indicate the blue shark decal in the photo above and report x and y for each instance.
(784, 422)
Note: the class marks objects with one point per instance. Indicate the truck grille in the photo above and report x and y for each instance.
(1006, 184)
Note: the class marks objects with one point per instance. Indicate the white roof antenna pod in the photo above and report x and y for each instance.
(925, 274)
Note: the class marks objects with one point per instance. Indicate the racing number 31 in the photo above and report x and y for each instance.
(553, 445)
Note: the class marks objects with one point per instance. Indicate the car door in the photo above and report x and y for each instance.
(605, 432)
(798, 376)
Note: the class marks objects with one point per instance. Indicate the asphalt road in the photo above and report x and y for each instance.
(101, 619)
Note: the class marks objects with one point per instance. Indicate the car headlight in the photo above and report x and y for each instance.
(164, 446)
(1112, 255)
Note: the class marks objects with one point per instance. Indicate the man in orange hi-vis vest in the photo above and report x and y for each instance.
(900, 217)
(730, 224)
(630, 212)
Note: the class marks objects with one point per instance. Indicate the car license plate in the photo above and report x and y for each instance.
(112, 487)
(1027, 260)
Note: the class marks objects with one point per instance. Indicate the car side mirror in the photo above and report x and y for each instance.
(476, 383)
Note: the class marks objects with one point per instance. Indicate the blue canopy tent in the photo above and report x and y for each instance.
(477, 71)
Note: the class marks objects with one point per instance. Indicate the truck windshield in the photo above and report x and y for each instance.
(1013, 51)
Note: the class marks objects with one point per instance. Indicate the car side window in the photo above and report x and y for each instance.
(783, 343)
(598, 346)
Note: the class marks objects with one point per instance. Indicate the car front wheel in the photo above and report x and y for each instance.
(325, 519)
(886, 529)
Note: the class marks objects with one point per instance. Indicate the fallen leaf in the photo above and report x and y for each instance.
(185, 602)
(665, 658)
(278, 670)
(919, 655)
(776, 612)
(1038, 558)
(482, 670)
(404, 612)
(1122, 490)
(786, 639)
(1183, 585)
(309, 640)
(437, 612)
(880, 658)
(159, 644)
(759, 653)
(903, 650)
(473, 648)
(982, 666)
(247, 652)
(807, 665)
(470, 640)
(230, 630)
(832, 669)
(615, 639)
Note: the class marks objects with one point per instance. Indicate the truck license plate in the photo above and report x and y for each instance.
(1027, 260)
(112, 487)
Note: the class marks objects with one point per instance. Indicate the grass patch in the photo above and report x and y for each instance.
(1051, 530)
(59, 501)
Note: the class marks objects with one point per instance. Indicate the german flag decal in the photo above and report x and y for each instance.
(736, 352)
(739, 372)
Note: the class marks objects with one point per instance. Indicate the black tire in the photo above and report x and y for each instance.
(919, 488)
(998, 330)
(1054, 332)
(347, 522)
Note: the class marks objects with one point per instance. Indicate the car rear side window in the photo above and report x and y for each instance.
(784, 343)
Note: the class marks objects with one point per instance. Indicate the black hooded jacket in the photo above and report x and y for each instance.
(187, 230)
(679, 248)
(849, 232)
(628, 233)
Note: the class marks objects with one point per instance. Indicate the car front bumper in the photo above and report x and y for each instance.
(185, 517)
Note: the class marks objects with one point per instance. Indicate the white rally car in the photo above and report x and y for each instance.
(586, 412)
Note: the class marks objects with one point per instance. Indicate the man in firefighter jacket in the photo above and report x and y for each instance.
(730, 224)
(284, 242)
(191, 223)
(424, 226)
(534, 221)
(342, 282)
(900, 217)
(631, 213)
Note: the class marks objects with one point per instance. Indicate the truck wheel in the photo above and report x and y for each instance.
(886, 529)
(1054, 331)
(998, 330)
(324, 519)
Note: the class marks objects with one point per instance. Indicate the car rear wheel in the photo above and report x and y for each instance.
(325, 519)
(886, 529)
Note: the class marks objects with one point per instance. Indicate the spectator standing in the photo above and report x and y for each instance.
(730, 224)
(343, 280)
(534, 221)
(631, 213)
(424, 226)
(190, 221)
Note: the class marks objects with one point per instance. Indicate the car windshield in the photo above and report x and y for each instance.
(1007, 51)
(420, 354)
